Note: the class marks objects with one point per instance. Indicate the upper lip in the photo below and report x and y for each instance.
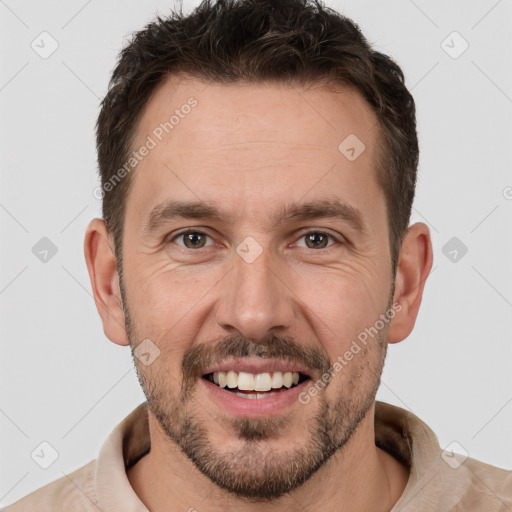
(256, 366)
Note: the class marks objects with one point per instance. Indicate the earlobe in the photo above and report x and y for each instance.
(414, 265)
(102, 268)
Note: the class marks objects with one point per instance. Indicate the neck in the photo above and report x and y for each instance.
(360, 476)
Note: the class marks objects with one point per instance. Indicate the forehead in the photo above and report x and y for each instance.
(254, 145)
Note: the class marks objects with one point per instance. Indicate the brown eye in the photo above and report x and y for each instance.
(316, 240)
(192, 239)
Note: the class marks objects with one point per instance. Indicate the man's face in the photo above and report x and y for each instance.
(254, 285)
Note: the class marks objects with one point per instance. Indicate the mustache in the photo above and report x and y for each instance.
(203, 355)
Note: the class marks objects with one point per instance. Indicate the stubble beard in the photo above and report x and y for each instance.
(256, 472)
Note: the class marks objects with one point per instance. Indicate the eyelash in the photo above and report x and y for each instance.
(191, 231)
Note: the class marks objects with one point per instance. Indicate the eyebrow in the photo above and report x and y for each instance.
(172, 209)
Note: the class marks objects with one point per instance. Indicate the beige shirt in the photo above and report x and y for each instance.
(438, 481)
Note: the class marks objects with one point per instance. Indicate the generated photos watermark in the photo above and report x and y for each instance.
(150, 143)
(355, 348)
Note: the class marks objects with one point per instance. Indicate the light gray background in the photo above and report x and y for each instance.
(64, 382)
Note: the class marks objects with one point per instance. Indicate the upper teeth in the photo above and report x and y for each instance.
(255, 382)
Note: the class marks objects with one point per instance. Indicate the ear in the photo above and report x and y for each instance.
(414, 265)
(102, 266)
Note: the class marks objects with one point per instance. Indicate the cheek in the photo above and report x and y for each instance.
(163, 299)
(342, 302)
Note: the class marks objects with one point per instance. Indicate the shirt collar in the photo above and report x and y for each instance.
(397, 431)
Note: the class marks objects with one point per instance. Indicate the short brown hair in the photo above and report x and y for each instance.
(231, 41)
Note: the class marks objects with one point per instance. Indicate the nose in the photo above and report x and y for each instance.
(255, 298)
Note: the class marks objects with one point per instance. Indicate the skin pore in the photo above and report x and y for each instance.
(251, 151)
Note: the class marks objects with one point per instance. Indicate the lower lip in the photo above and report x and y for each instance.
(256, 407)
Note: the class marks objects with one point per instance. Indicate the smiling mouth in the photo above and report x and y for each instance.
(256, 386)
